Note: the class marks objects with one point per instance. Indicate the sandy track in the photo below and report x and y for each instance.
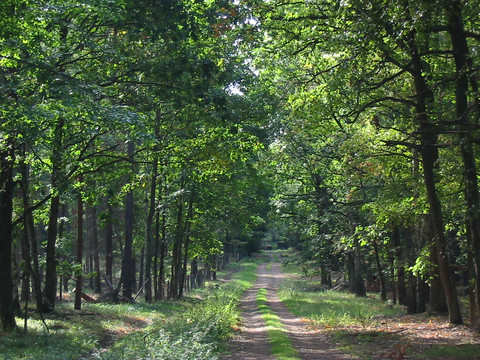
(252, 341)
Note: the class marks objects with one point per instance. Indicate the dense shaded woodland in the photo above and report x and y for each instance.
(146, 143)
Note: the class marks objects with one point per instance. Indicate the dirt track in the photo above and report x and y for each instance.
(252, 342)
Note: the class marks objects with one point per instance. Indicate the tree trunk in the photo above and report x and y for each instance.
(128, 274)
(463, 63)
(149, 231)
(429, 153)
(93, 229)
(7, 309)
(381, 276)
(194, 273)
(163, 250)
(51, 260)
(471, 278)
(214, 267)
(57, 185)
(438, 300)
(177, 252)
(30, 234)
(141, 274)
(79, 253)
(400, 267)
(109, 242)
(155, 256)
(187, 242)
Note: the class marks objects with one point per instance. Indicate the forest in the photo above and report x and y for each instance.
(146, 144)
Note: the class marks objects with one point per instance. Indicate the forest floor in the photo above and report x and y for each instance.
(419, 336)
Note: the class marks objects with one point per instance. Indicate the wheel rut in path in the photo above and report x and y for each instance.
(252, 342)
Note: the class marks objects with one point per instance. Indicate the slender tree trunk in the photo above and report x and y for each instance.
(429, 152)
(187, 243)
(128, 274)
(25, 276)
(381, 276)
(141, 275)
(109, 242)
(149, 230)
(471, 277)
(393, 283)
(214, 267)
(93, 230)
(194, 272)
(155, 256)
(163, 250)
(35, 265)
(7, 160)
(177, 251)
(51, 260)
(400, 267)
(463, 64)
(79, 253)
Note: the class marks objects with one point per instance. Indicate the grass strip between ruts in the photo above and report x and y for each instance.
(281, 344)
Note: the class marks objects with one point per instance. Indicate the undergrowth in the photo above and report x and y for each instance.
(190, 334)
(193, 329)
(197, 333)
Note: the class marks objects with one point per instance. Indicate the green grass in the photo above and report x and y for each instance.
(460, 351)
(195, 328)
(199, 332)
(332, 308)
(358, 324)
(71, 333)
(281, 345)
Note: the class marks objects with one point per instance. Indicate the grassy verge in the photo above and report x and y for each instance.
(194, 328)
(281, 345)
(199, 331)
(368, 328)
(68, 334)
(332, 308)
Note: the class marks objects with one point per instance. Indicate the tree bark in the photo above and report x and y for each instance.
(155, 256)
(127, 262)
(51, 260)
(429, 155)
(463, 64)
(177, 253)
(109, 242)
(7, 309)
(399, 267)
(381, 276)
(163, 250)
(187, 243)
(79, 253)
(93, 229)
(149, 246)
(56, 184)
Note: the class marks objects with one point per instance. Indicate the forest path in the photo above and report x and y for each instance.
(252, 342)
